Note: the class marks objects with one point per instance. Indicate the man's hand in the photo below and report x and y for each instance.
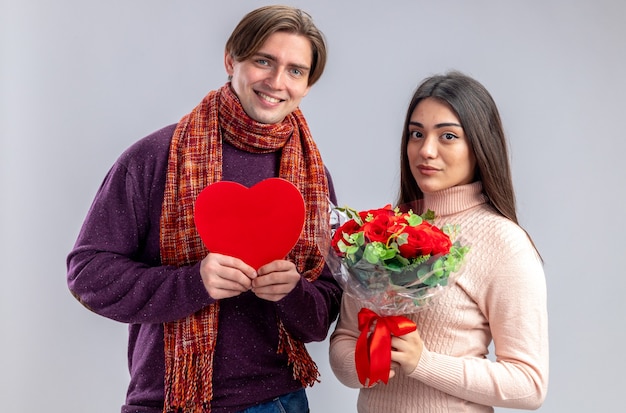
(275, 280)
(224, 276)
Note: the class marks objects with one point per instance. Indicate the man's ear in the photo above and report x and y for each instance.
(229, 63)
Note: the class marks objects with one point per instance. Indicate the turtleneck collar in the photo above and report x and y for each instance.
(455, 199)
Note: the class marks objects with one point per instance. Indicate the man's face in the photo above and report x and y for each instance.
(271, 83)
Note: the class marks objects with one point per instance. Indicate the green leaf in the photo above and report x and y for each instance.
(413, 219)
(342, 246)
(429, 215)
(402, 238)
(357, 239)
(372, 253)
(438, 268)
(351, 214)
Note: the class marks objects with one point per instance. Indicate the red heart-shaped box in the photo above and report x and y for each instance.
(258, 225)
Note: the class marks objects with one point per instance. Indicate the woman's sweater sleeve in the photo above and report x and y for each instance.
(343, 343)
(514, 303)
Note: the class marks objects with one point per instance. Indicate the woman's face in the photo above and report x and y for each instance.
(439, 154)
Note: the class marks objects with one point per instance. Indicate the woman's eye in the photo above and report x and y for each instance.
(449, 136)
(415, 134)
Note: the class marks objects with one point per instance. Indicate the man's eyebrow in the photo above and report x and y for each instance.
(265, 55)
(439, 125)
(273, 58)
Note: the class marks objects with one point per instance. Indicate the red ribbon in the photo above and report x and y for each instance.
(373, 351)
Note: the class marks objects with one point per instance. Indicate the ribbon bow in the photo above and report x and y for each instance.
(373, 351)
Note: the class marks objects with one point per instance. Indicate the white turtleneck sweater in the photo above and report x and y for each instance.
(499, 294)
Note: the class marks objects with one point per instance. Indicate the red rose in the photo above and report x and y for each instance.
(386, 210)
(349, 227)
(440, 241)
(416, 244)
(397, 223)
(424, 239)
(377, 228)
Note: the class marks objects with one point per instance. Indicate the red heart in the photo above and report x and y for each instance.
(257, 225)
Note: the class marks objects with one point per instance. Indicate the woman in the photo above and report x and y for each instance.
(454, 161)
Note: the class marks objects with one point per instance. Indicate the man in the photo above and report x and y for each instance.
(208, 332)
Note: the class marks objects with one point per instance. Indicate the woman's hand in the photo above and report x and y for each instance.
(406, 351)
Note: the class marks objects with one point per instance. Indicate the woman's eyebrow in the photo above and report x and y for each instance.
(439, 125)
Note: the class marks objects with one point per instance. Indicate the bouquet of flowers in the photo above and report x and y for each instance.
(395, 263)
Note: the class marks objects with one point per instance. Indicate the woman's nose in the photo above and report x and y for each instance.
(428, 150)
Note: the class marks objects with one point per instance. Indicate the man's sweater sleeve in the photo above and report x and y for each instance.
(114, 268)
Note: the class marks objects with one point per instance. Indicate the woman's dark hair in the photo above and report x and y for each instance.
(480, 119)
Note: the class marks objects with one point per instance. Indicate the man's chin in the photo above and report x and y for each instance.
(267, 117)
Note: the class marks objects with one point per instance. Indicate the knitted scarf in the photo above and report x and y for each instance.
(195, 161)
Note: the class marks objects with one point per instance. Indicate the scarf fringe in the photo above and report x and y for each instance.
(189, 372)
(303, 367)
(184, 394)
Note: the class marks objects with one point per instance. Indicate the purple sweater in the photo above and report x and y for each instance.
(115, 270)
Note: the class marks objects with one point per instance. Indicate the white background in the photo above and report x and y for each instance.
(80, 81)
